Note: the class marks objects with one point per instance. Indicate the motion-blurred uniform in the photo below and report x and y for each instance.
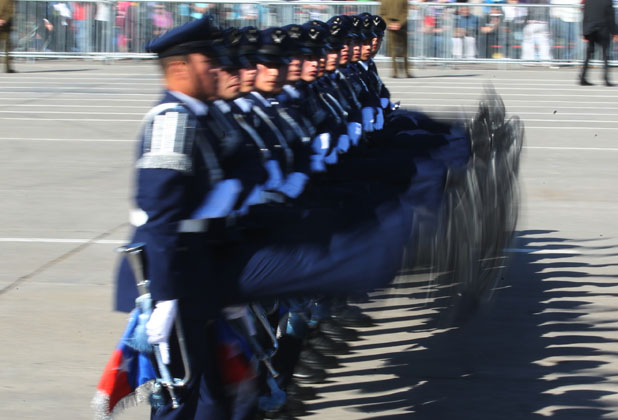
(177, 168)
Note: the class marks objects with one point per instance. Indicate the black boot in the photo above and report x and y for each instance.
(327, 345)
(335, 330)
(287, 357)
(304, 393)
(607, 82)
(589, 53)
(351, 316)
(584, 82)
(290, 410)
(315, 359)
(306, 374)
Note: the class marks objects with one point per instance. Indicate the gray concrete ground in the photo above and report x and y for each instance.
(546, 345)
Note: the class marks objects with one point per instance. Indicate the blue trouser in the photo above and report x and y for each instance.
(361, 259)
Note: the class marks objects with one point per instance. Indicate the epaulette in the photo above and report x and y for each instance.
(169, 133)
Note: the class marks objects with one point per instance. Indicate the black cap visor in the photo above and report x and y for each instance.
(272, 59)
(204, 47)
(248, 61)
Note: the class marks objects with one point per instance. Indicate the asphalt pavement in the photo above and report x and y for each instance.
(545, 345)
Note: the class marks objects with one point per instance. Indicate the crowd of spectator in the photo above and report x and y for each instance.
(500, 29)
(451, 29)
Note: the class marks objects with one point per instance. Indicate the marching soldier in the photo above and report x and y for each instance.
(241, 194)
(176, 169)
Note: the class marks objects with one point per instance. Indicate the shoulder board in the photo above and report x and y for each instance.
(168, 135)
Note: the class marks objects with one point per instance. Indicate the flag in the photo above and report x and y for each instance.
(128, 377)
(235, 358)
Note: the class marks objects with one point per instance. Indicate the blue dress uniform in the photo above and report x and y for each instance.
(379, 26)
(304, 249)
(342, 230)
(286, 137)
(177, 168)
(308, 105)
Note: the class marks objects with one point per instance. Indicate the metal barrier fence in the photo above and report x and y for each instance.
(441, 32)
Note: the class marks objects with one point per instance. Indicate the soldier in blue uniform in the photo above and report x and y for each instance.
(303, 225)
(176, 169)
(275, 167)
(246, 52)
(379, 26)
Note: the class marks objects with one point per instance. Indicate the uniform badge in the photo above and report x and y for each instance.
(278, 36)
(167, 139)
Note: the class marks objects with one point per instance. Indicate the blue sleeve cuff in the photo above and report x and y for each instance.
(355, 130)
(343, 143)
(368, 118)
(321, 143)
(220, 201)
(275, 175)
(294, 184)
(379, 125)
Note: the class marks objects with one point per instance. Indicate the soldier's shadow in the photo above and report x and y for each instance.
(530, 352)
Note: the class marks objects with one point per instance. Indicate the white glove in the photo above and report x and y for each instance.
(159, 326)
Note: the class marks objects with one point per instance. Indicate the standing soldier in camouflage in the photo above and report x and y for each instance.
(395, 13)
(7, 7)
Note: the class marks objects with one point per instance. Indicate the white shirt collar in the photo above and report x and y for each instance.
(260, 98)
(244, 104)
(198, 107)
(292, 91)
(364, 64)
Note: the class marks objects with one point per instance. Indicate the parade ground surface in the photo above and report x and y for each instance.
(545, 345)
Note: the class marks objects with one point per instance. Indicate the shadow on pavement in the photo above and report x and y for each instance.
(530, 352)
